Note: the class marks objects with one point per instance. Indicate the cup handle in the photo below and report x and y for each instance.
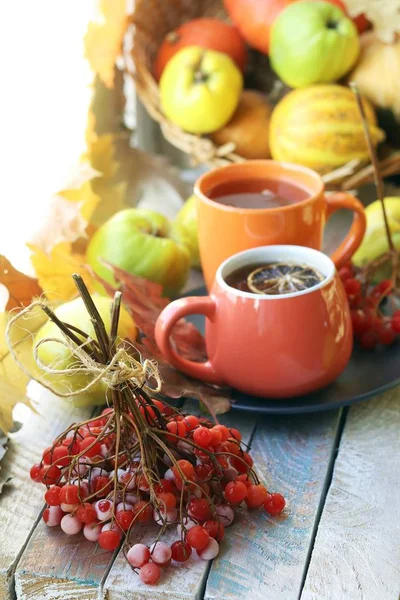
(203, 305)
(352, 241)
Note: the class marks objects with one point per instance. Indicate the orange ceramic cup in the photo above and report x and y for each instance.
(225, 230)
(269, 346)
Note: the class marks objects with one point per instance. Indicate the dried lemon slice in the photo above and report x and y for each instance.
(283, 278)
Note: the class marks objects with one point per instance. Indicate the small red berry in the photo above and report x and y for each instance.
(181, 551)
(50, 475)
(94, 450)
(369, 340)
(69, 494)
(109, 540)
(202, 437)
(199, 509)
(352, 286)
(86, 513)
(52, 496)
(346, 272)
(396, 321)
(197, 537)
(36, 473)
(386, 336)
(150, 573)
(191, 422)
(274, 504)
(125, 518)
(256, 494)
(215, 529)
(235, 492)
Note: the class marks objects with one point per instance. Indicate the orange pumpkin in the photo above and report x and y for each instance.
(207, 33)
(254, 18)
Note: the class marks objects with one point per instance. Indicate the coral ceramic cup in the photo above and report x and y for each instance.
(270, 346)
(225, 230)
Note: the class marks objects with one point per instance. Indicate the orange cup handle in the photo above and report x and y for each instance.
(165, 323)
(352, 241)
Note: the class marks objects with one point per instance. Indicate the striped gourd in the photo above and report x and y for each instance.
(320, 127)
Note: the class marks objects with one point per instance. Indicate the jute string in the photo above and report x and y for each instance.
(122, 367)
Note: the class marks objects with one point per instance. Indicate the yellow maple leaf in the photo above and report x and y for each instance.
(13, 380)
(70, 210)
(54, 271)
(108, 187)
(103, 38)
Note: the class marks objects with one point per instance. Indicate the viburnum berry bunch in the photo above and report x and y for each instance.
(375, 312)
(141, 462)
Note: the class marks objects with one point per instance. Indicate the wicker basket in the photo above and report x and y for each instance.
(152, 20)
(150, 23)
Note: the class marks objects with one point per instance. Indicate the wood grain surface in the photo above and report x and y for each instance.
(22, 499)
(264, 557)
(357, 549)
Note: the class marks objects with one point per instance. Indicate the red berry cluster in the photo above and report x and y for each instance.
(192, 476)
(370, 326)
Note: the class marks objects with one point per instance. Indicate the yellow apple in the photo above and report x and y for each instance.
(60, 357)
(200, 89)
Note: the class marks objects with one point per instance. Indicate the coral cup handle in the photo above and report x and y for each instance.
(352, 241)
(168, 318)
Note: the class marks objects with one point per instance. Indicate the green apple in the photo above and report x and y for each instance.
(143, 243)
(187, 218)
(60, 357)
(313, 42)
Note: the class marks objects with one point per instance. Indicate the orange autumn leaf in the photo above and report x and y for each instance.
(21, 288)
(54, 271)
(103, 39)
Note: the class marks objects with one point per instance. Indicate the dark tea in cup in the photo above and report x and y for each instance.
(258, 193)
(275, 278)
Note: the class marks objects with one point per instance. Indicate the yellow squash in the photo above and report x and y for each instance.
(320, 127)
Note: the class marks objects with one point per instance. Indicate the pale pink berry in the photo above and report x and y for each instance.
(123, 506)
(82, 465)
(131, 498)
(92, 531)
(160, 553)
(52, 516)
(128, 479)
(169, 475)
(210, 551)
(71, 525)
(226, 514)
(103, 509)
(138, 555)
(110, 527)
(97, 472)
(161, 517)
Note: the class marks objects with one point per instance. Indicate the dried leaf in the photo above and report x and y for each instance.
(13, 380)
(54, 270)
(103, 38)
(21, 288)
(144, 300)
(70, 210)
(108, 187)
(383, 14)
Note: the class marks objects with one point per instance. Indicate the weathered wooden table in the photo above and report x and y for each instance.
(339, 538)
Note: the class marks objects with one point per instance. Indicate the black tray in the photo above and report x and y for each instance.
(368, 374)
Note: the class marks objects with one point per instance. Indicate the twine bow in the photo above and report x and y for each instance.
(121, 368)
